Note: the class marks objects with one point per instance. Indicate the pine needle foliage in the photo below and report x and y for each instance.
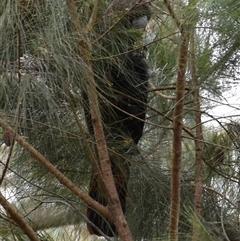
(41, 84)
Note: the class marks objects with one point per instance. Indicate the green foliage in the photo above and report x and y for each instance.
(44, 103)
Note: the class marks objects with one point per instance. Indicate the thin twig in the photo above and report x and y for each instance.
(93, 17)
(8, 160)
(172, 13)
(222, 222)
(19, 54)
(221, 195)
(84, 138)
(13, 138)
(159, 93)
(159, 9)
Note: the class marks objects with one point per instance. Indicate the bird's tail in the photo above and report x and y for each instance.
(97, 224)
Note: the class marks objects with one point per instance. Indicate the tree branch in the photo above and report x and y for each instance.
(172, 13)
(177, 137)
(93, 17)
(54, 171)
(199, 137)
(18, 219)
(114, 210)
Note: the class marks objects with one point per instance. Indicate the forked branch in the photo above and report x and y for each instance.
(54, 171)
(114, 205)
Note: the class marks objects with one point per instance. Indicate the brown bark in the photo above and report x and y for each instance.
(53, 170)
(114, 210)
(177, 137)
(18, 219)
(172, 13)
(199, 138)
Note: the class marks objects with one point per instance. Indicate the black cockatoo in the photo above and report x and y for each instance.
(129, 111)
(123, 120)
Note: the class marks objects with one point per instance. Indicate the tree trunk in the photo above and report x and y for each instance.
(199, 138)
(115, 212)
(177, 137)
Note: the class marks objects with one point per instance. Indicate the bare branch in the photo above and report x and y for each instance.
(114, 206)
(22, 223)
(93, 17)
(177, 137)
(53, 170)
(172, 13)
(199, 137)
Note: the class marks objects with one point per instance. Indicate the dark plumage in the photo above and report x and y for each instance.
(130, 85)
(123, 111)
(124, 120)
(98, 224)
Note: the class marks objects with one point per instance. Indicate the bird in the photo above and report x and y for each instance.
(129, 83)
(123, 112)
